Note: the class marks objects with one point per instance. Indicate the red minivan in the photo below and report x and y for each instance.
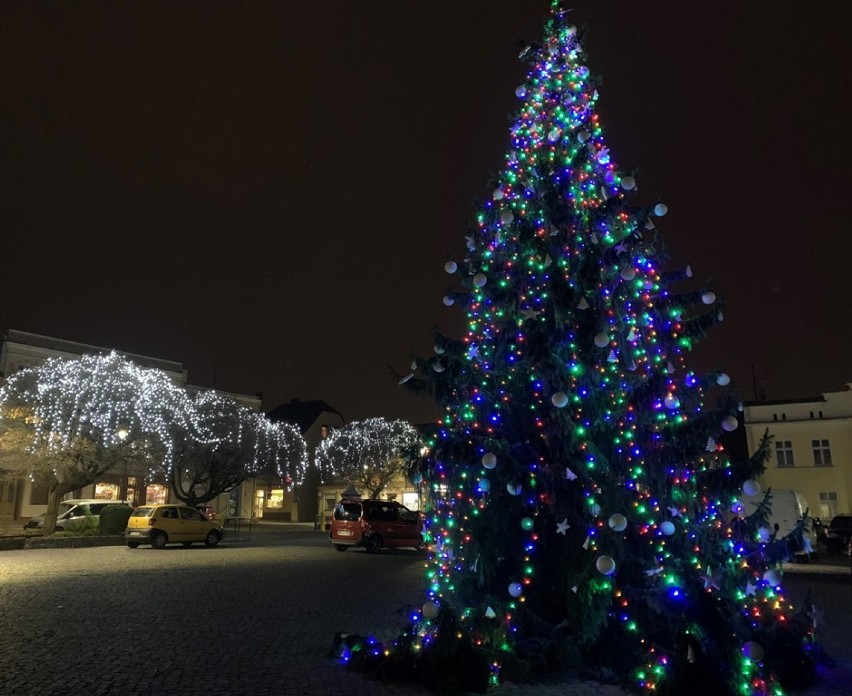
(375, 524)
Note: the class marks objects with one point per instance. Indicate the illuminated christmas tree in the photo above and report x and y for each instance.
(583, 512)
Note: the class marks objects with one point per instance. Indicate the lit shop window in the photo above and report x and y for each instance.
(107, 491)
(156, 494)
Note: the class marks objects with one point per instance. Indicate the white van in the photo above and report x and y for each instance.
(77, 514)
(788, 508)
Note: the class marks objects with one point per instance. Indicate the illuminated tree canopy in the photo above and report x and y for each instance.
(369, 453)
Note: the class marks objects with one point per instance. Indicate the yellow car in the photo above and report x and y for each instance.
(159, 525)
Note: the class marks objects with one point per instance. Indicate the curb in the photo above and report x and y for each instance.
(19, 543)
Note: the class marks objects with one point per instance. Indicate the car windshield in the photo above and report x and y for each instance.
(142, 512)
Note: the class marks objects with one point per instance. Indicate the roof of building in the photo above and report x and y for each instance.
(302, 414)
(64, 346)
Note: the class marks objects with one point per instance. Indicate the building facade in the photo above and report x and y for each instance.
(811, 448)
(20, 499)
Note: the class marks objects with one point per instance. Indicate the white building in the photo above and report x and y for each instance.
(811, 448)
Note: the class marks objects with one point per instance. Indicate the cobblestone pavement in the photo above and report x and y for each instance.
(255, 616)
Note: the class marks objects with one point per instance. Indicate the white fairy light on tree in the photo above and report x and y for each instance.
(369, 453)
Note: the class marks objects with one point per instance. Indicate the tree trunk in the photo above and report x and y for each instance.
(54, 497)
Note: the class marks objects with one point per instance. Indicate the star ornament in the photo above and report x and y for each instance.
(562, 527)
(710, 581)
(816, 615)
(530, 314)
(750, 588)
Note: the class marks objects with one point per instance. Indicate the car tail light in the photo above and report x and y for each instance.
(151, 521)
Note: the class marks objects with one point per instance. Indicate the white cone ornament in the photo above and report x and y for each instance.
(730, 423)
(490, 613)
(605, 565)
(751, 487)
(583, 136)
(489, 460)
(516, 589)
(601, 340)
(667, 527)
(559, 399)
(617, 522)
(451, 267)
(430, 610)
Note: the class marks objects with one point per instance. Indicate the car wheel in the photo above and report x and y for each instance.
(158, 540)
(133, 544)
(341, 547)
(213, 538)
(374, 544)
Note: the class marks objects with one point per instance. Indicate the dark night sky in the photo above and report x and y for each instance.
(268, 191)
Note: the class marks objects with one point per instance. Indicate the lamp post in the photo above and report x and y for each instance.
(122, 433)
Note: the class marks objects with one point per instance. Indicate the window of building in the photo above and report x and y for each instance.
(107, 491)
(822, 453)
(156, 494)
(784, 453)
(827, 505)
(38, 495)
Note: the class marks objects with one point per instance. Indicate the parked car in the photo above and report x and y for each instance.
(75, 515)
(375, 524)
(839, 534)
(159, 525)
(207, 511)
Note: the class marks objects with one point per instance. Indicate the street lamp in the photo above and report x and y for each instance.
(122, 433)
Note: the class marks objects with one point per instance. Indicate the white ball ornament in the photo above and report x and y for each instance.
(516, 589)
(497, 194)
(772, 577)
(489, 460)
(506, 216)
(430, 610)
(514, 488)
(601, 340)
(660, 209)
(753, 651)
(595, 509)
(708, 297)
(448, 301)
(605, 565)
(667, 527)
(484, 485)
(672, 401)
(583, 136)
(617, 522)
(729, 423)
(628, 273)
(479, 280)
(628, 183)
(451, 267)
(554, 135)
(723, 380)
(520, 91)
(437, 366)
(559, 399)
(751, 487)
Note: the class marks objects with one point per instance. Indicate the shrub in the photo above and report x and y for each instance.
(114, 519)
